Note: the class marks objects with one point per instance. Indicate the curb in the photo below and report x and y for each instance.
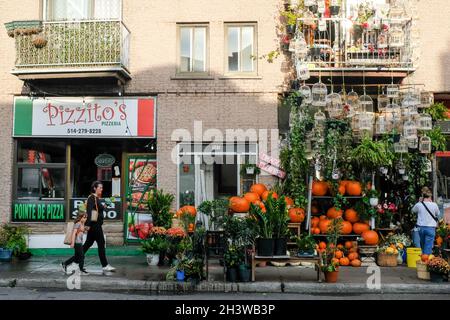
(99, 284)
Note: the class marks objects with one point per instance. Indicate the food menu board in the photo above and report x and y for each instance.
(141, 179)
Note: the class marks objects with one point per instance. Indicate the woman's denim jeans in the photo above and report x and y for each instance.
(427, 235)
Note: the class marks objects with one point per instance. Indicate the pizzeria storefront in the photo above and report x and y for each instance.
(62, 144)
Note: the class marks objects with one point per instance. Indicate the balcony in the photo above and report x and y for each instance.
(381, 51)
(71, 49)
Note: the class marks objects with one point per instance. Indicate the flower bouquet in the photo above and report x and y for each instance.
(385, 214)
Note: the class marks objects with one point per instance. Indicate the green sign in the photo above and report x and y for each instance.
(25, 211)
(104, 160)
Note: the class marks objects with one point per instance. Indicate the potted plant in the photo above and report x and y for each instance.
(291, 21)
(159, 205)
(216, 210)
(250, 169)
(306, 245)
(152, 249)
(15, 242)
(264, 241)
(329, 265)
(246, 237)
(373, 195)
(233, 257)
(438, 268)
(5, 254)
(278, 210)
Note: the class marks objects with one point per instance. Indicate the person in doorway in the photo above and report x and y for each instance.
(427, 220)
(94, 210)
(77, 243)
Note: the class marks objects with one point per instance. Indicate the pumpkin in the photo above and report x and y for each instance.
(261, 205)
(340, 247)
(314, 222)
(352, 256)
(297, 215)
(314, 210)
(191, 209)
(439, 241)
(319, 188)
(238, 204)
(266, 194)
(323, 225)
(251, 197)
(370, 237)
(352, 249)
(346, 227)
(289, 201)
(344, 261)
(258, 188)
(341, 189)
(353, 188)
(356, 263)
(322, 245)
(334, 213)
(359, 227)
(323, 217)
(335, 261)
(338, 254)
(315, 231)
(424, 257)
(351, 215)
(348, 244)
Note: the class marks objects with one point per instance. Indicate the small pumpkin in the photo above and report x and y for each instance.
(319, 188)
(191, 209)
(341, 189)
(424, 258)
(353, 188)
(356, 263)
(359, 227)
(252, 197)
(323, 217)
(340, 247)
(315, 222)
(338, 254)
(322, 245)
(334, 213)
(238, 204)
(352, 256)
(346, 227)
(266, 194)
(323, 225)
(297, 215)
(289, 201)
(351, 215)
(315, 231)
(344, 261)
(348, 244)
(335, 261)
(439, 241)
(370, 237)
(258, 188)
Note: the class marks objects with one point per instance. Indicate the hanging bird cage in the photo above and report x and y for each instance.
(425, 121)
(319, 92)
(382, 40)
(410, 129)
(411, 103)
(382, 124)
(306, 92)
(366, 103)
(393, 113)
(302, 71)
(392, 91)
(334, 105)
(396, 11)
(382, 102)
(413, 142)
(396, 37)
(353, 102)
(319, 119)
(426, 99)
(401, 146)
(301, 47)
(425, 145)
(365, 122)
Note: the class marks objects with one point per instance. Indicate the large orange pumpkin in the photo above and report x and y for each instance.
(352, 256)
(297, 215)
(356, 263)
(238, 204)
(346, 227)
(191, 209)
(266, 194)
(359, 227)
(334, 213)
(319, 188)
(251, 197)
(289, 201)
(323, 225)
(344, 261)
(351, 215)
(353, 188)
(370, 237)
(258, 188)
(348, 244)
(314, 222)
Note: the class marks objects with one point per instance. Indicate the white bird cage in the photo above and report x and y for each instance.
(365, 122)
(366, 103)
(411, 103)
(413, 142)
(319, 92)
(302, 71)
(425, 121)
(392, 91)
(355, 122)
(319, 119)
(306, 92)
(382, 102)
(334, 105)
(425, 145)
(309, 3)
(396, 37)
(401, 146)
(301, 47)
(426, 99)
(382, 124)
(382, 40)
(396, 11)
(393, 113)
(353, 102)
(410, 129)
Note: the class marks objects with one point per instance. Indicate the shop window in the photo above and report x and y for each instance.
(35, 152)
(192, 49)
(241, 48)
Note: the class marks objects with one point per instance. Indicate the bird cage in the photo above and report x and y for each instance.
(382, 40)
(396, 11)
(393, 112)
(353, 102)
(396, 37)
(301, 47)
(305, 91)
(310, 3)
(366, 103)
(401, 146)
(319, 119)
(425, 145)
(426, 99)
(382, 102)
(302, 71)
(319, 92)
(425, 121)
(412, 142)
(382, 124)
(410, 129)
(411, 102)
(334, 105)
(392, 91)
(365, 122)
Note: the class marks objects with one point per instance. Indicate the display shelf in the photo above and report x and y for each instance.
(331, 197)
(341, 236)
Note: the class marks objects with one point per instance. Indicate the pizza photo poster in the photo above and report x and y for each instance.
(142, 173)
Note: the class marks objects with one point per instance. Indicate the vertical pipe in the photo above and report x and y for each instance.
(308, 220)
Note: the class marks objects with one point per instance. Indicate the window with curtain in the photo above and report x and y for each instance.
(57, 10)
(240, 43)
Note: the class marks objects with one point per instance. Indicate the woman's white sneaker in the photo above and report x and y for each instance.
(109, 268)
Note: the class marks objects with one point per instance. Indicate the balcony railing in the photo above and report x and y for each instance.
(352, 47)
(73, 46)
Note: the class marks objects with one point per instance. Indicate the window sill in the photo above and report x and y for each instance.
(231, 77)
(191, 77)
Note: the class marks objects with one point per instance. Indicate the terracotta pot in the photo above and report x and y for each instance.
(262, 264)
(331, 277)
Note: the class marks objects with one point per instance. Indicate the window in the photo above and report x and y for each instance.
(41, 170)
(240, 47)
(56, 10)
(192, 49)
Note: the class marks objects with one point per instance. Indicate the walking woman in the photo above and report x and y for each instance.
(77, 243)
(427, 220)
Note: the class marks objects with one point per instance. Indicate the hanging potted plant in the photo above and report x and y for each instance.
(373, 196)
(250, 169)
(291, 21)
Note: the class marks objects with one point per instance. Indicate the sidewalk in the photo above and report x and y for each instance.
(133, 274)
